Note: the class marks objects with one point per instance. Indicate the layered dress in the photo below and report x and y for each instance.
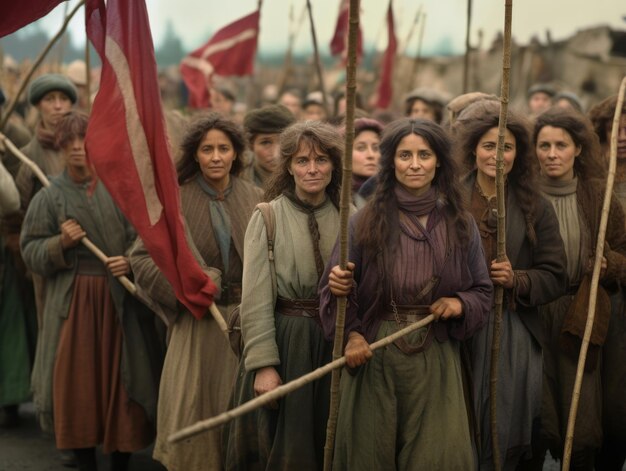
(281, 328)
(578, 209)
(199, 365)
(540, 277)
(405, 408)
(98, 357)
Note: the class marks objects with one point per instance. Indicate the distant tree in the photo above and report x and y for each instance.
(170, 51)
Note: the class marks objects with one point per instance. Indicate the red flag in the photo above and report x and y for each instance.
(339, 42)
(385, 87)
(127, 144)
(17, 14)
(231, 51)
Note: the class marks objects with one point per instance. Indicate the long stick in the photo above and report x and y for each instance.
(417, 59)
(468, 48)
(595, 278)
(318, 62)
(409, 36)
(87, 74)
(344, 214)
(285, 389)
(295, 27)
(41, 57)
(501, 249)
(129, 285)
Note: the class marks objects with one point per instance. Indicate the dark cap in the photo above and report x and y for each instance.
(268, 120)
(50, 83)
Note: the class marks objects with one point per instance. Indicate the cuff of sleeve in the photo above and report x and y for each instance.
(262, 357)
(55, 251)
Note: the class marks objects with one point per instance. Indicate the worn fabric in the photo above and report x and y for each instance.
(199, 367)
(601, 391)
(293, 436)
(544, 268)
(391, 411)
(48, 83)
(41, 246)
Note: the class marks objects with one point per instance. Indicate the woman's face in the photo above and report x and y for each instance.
(486, 152)
(52, 107)
(366, 154)
(266, 149)
(312, 171)
(415, 164)
(422, 110)
(556, 152)
(621, 136)
(74, 153)
(215, 156)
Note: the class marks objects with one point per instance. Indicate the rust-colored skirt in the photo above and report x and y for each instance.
(91, 406)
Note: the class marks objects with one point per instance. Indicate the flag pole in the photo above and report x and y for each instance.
(318, 62)
(418, 57)
(295, 29)
(283, 390)
(595, 278)
(501, 233)
(344, 215)
(467, 48)
(409, 36)
(36, 64)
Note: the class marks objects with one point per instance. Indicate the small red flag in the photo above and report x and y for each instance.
(16, 15)
(231, 51)
(126, 142)
(385, 87)
(339, 42)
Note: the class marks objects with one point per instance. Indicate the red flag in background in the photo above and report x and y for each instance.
(231, 51)
(339, 42)
(126, 142)
(16, 14)
(385, 87)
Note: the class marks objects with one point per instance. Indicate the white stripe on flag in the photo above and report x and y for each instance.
(202, 65)
(136, 132)
(249, 33)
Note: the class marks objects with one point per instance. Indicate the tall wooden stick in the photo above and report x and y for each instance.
(205, 425)
(344, 214)
(501, 234)
(409, 35)
(418, 57)
(318, 62)
(40, 58)
(468, 48)
(294, 28)
(595, 278)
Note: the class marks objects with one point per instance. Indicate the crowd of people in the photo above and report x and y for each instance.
(260, 202)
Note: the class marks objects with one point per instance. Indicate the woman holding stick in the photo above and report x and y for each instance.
(199, 366)
(533, 274)
(98, 357)
(280, 319)
(413, 252)
(570, 159)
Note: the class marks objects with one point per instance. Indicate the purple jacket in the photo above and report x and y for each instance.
(464, 275)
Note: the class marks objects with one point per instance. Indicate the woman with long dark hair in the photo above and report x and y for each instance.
(533, 273)
(414, 251)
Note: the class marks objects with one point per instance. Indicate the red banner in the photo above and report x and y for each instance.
(385, 87)
(339, 42)
(231, 51)
(126, 143)
(17, 14)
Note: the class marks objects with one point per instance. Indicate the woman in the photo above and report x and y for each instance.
(413, 252)
(425, 103)
(570, 156)
(97, 362)
(533, 273)
(280, 323)
(199, 366)
(365, 154)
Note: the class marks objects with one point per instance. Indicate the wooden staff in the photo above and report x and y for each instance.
(468, 48)
(318, 62)
(416, 61)
(41, 57)
(58, 63)
(293, 34)
(501, 234)
(126, 283)
(595, 278)
(344, 214)
(280, 391)
(409, 36)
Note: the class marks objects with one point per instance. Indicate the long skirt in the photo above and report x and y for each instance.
(404, 412)
(559, 376)
(291, 437)
(196, 384)
(519, 389)
(18, 333)
(91, 406)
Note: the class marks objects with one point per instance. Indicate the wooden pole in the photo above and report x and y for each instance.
(344, 215)
(409, 36)
(595, 278)
(87, 74)
(57, 65)
(295, 27)
(416, 61)
(501, 234)
(204, 425)
(40, 58)
(318, 62)
(468, 48)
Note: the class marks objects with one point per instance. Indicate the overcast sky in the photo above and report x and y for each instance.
(444, 27)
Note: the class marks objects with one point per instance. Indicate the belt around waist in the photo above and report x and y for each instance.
(298, 307)
(407, 313)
